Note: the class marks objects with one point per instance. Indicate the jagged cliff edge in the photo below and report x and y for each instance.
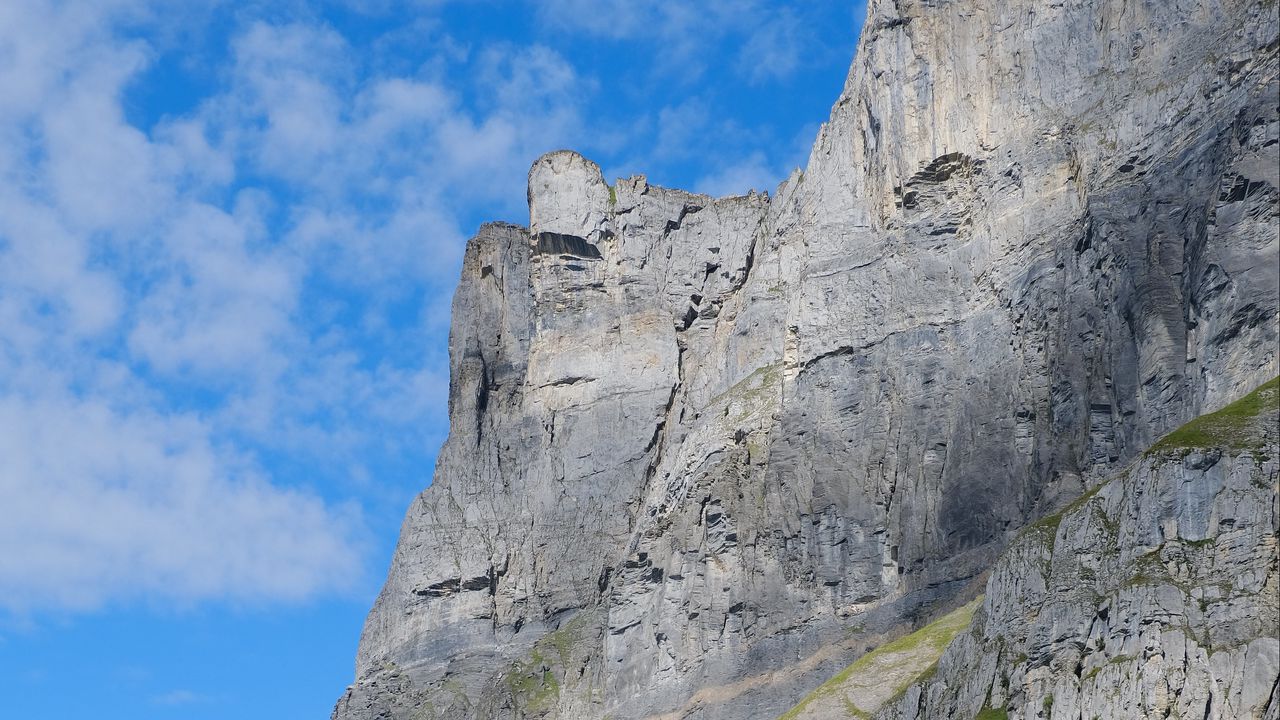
(705, 452)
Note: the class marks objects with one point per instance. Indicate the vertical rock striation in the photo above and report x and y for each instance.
(704, 452)
(1155, 596)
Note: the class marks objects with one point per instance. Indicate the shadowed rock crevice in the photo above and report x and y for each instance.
(550, 243)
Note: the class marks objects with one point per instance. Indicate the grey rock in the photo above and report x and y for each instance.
(705, 452)
(1155, 596)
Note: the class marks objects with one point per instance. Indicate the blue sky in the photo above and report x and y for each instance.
(229, 234)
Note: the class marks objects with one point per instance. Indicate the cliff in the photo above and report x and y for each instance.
(704, 453)
(1154, 596)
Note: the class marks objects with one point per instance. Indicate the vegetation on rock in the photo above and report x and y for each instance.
(1228, 428)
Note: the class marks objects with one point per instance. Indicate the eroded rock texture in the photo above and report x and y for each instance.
(704, 452)
(1153, 597)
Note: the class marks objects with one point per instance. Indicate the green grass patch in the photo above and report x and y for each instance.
(534, 681)
(1149, 570)
(1046, 528)
(567, 638)
(853, 710)
(1117, 660)
(934, 637)
(533, 684)
(1232, 427)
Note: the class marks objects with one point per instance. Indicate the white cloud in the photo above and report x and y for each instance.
(290, 83)
(104, 493)
(750, 173)
(772, 40)
(102, 505)
(180, 301)
(683, 129)
(261, 275)
(774, 48)
(687, 32)
(607, 18)
(218, 306)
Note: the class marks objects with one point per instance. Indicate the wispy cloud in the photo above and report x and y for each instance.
(107, 491)
(181, 300)
(102, 505)
(772, 38)
(751, 173)
(217, 322)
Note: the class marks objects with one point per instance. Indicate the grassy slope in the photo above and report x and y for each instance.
(1228, 428)
(1232, 427)
(878, 676)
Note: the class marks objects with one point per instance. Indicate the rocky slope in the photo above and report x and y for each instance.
(876, 679)
(1154, 596)
(706, 452)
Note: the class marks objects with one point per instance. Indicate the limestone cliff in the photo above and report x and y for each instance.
(1154, 596)
(706, 452)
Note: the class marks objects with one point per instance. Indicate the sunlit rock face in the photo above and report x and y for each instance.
(704, 452)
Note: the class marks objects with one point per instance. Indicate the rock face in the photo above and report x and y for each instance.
(705, 452)
(1155, 596)
(878, 677)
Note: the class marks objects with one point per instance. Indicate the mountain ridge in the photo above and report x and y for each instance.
(704, 453)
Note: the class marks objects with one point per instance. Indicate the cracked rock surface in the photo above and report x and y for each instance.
(1155, 596)
(706, 452)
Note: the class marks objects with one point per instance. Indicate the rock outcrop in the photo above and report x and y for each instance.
(1157, 595)
(876, 679)
(706, 452)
